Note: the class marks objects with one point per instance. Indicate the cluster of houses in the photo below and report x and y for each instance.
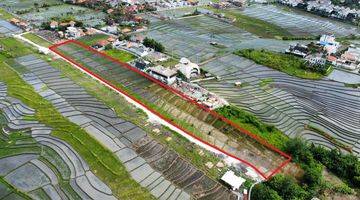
(188, 70)
(142, 5)
(175, 76)
(328, 51)
(134, 45)
(169, 75)
(349, 60)
(325, 8)
(20, 23)
(228, 4)
(162, 3)
(67, 30)
(115, 30)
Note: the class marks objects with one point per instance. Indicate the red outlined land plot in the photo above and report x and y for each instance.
(196, 120)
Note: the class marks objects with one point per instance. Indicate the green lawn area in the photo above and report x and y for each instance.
(101, 161)
(256, 26)
(5, 15)
(92, 39)
(288, 64)
(171, 62)
(14, 47)
(37, 40)
(251, 123)
(121, 55)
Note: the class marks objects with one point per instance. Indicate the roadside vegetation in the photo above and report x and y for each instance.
(313, 160)
(36, 39)
(256, 26)
(288, 64)
(254, 125)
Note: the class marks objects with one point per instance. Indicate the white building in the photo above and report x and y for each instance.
(163, 74)
(110, 29)
(329, 43)
(231, 179)
(188, 68)
(73, 33)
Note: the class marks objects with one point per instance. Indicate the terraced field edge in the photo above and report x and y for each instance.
(54, 48)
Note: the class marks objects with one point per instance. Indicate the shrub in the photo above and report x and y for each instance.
(151, 43)
(263, 192)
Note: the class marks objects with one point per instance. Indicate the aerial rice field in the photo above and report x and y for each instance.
(191, 37)
(63, 129)
(175, 108)
(55, 9)
(149, 163)
(253, 25)
(14, 6)
(55, 88)
(291, 104)
(303, 24)
(35, 162)
(6, 28)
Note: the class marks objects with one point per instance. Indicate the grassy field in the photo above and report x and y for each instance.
(36, 39)
(254, 125)
(171, 62)
(288, 64)
(101, 161)
(5, 15)
(93, 39)
(14, 47)
(121, 55)
(256, 26)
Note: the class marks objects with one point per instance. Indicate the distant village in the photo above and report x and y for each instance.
(327, 51)
(326, 8)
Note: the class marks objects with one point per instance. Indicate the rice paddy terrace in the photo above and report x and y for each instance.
(303, 24)
(190, 37)
(38, 164)
(6, 28)
(162, 171)
(175, 108)
(324, 112)
(54, 9)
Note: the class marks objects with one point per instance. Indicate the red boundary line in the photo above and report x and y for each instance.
(215, 114)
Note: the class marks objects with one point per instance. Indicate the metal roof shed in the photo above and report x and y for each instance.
(231, 179)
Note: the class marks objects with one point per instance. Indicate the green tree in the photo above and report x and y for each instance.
(153, 44)
(287, 187)
(263, 192)
(299, 151)
(313, 174)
